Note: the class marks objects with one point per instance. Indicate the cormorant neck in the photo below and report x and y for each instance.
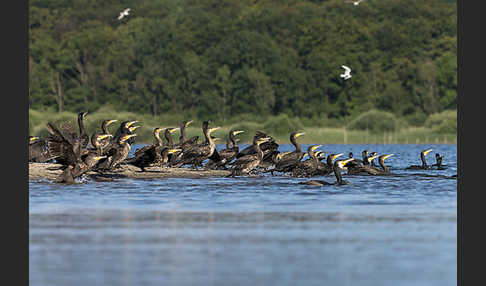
(104, 127)
(424, 163)
(169, 138)
(82, 131)
(183, 138)
(159, 141)
(337, 173)
(294, 142)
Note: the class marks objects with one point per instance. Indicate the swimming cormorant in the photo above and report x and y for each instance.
(424, 163)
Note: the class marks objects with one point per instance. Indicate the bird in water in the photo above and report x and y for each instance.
(438, 162)
(424, 162)
(290, 160)
(308, 167)
(371, 170)
(246, 164)
(326, 169)
(336, 168)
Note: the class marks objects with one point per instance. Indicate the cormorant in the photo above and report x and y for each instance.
(289, 161)
(269, 149)
(65, 146)
(116, 153)
(247, 163)
(38, 150)
(168, 135)
(308, 167)
(83, 136)
(327, 168)
(124, 129)
(370, 170)
(336, 168)
(438, 163)
(196, 154)
(424, 163)
(227, 155)
(105, 131)
(97, 141)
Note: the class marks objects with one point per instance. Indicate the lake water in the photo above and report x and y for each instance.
(378, 230)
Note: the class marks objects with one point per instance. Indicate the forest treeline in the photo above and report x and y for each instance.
(216, 58)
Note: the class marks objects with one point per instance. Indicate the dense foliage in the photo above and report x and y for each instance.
(216, 58)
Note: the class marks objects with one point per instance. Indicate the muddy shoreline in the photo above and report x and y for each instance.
(50, 171)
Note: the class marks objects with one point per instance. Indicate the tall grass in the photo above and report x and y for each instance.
(436, 130)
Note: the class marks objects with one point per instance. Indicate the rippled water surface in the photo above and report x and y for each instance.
(378, 230)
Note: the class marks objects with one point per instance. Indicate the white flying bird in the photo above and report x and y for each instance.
(123, 13)
(356, 3)
(347, 72)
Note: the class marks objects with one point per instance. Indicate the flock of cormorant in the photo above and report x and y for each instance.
(108, 152)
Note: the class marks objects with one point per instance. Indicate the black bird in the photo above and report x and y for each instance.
(83, 136)
(196, 154)
(308, 167)
(269, 148)
(150, 154)
(438, 163)
(124, 129)
(246, 164)
(326, 169)
(104, 129)
(227, 155)
(116, 153)
(86, 163)
(65, 146)
(424, 163)
(370, 170)
(336, 168)
(38, 150)
(290, 160)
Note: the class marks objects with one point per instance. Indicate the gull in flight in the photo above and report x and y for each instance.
(123, 13)
(347, 72)
(356, 3)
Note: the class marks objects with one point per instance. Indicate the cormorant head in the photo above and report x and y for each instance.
(332, 157)
(305, 155)
(130, 123)
(425, 152)
(82, 114)
(371, 158)
(108, 122)
(210, 130)
(320, 155)
(236, 132)
(126, 137)
(186, 123)
(97, 158)
(157, 130)
(313, 148)
(382, 158)
(296, 135)
(32, 139)
(262, 140)
(341, 163)
(132, 128)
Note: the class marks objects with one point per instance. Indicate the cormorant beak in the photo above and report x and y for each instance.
(315, 147)
(97, 158)
(111, 121)
(343, 163)
(372, 158)
(386, 156)
(263, 140)
(172, 130)
(85, 113)
(238, 132)
(128, 136)
(427, 151)
(188, 122)
(131, 123)
(299, 134)
(32, 139)
(337, 155)
(133, 128)
(103, 136)
(174, 150)
(305, 155)
(213, 129)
